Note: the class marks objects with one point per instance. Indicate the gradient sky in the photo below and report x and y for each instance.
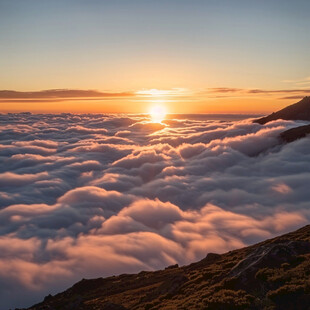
(206, 56)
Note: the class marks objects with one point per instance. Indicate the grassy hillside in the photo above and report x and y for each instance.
(274, 274)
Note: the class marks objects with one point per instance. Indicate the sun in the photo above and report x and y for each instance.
(157, 113)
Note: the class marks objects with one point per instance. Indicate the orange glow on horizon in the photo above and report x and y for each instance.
(176, 100)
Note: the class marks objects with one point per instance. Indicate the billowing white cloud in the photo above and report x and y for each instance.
(96, 195)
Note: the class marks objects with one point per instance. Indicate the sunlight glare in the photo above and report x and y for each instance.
(157, 113)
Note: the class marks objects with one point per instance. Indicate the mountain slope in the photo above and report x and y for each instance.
(293, 134)
(273, 274)
(297, 111)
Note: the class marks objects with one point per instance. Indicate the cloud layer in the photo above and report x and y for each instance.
(96, 195)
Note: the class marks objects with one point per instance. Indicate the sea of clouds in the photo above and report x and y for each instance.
(85, 196)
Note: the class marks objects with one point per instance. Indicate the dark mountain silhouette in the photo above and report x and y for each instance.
(293, 134)
(271, 275)
(296, 111)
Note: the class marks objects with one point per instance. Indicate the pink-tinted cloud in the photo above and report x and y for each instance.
(14, 179)
(96, 195)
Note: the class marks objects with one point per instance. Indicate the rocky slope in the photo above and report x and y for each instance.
(296, 111)
(274, 274)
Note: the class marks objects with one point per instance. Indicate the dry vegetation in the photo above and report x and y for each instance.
(270, 275)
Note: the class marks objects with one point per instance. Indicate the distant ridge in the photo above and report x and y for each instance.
(271, 275)
(293, 134)
(296, 111)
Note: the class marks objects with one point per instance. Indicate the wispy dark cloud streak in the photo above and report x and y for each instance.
(227, 91)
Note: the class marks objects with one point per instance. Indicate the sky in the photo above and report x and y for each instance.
(201, 56)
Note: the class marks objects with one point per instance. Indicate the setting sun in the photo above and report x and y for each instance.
(157, 113)
(141, 142)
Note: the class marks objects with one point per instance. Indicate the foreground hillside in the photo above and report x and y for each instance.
(269, 275)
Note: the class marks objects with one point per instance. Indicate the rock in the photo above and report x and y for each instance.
(172, 266)
(173, 285)
(48, 297)
(212, 257)
(113, 306)
(271, 255)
